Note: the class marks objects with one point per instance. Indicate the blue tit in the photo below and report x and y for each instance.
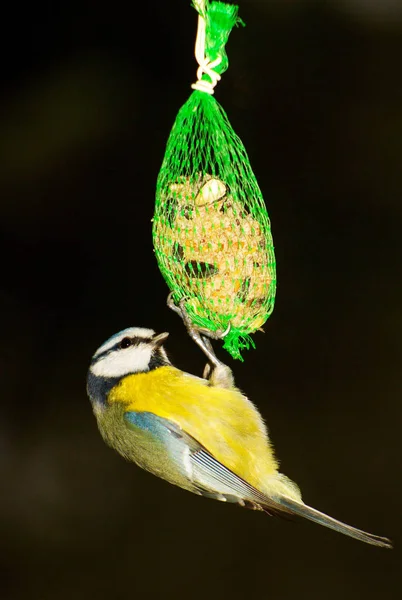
(201, 434)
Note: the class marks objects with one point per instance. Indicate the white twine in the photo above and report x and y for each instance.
(205, 66)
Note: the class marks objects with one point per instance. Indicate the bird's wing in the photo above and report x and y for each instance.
(191, 466)
(208, 476)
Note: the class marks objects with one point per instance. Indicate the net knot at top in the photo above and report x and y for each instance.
(215, 22)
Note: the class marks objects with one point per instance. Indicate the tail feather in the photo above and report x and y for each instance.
(302, 510)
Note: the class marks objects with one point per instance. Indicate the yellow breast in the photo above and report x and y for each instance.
(222, 420)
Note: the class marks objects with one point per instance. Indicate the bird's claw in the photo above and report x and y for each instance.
(182, 312)
(171, 304)
(199, 335)
(214, 335)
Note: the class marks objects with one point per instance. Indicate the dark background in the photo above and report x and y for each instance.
(89, 94)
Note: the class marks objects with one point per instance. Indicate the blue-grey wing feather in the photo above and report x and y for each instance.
(158, 448)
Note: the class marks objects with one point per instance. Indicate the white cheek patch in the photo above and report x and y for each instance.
(123, 362)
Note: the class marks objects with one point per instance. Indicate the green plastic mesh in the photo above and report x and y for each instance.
(211, 230)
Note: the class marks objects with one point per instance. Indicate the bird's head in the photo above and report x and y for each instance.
(133, 350)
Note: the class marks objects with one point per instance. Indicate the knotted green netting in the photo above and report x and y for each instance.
(211, 230)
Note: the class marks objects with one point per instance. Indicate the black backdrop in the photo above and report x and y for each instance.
(89, 94)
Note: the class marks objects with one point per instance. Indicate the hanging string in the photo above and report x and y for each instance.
(206, 67)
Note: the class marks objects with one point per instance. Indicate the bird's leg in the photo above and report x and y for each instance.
(197, 334)
(217, 373)
(198, 337)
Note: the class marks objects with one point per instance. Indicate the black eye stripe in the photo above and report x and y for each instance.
(128, 342)
(135, 341)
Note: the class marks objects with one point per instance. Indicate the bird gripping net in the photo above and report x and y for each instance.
(211, 230)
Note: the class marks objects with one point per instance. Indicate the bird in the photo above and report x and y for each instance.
(199, 433)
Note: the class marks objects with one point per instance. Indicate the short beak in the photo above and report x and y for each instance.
(158, 340)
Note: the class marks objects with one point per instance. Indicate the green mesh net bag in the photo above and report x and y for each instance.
(211, 230)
